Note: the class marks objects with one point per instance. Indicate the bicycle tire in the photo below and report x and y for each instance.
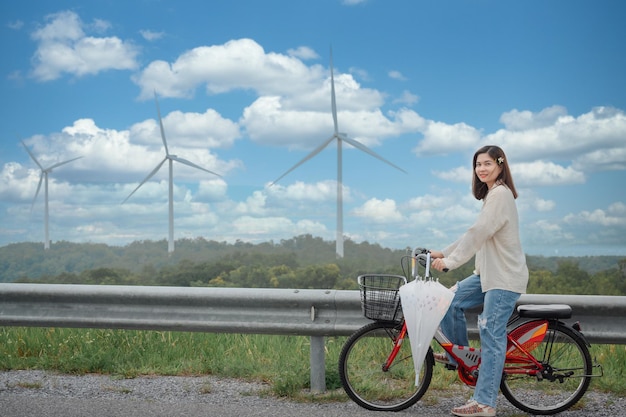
(567, 374)
(361, 369)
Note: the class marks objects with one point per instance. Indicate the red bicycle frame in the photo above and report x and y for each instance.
(520, 342)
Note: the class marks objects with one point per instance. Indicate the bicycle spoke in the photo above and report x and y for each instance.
(367, 383)
(562, 380)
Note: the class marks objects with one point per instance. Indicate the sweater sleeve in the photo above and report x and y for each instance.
(491, 219)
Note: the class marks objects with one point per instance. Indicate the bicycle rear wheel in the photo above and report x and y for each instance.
(362, 375)
(564, 380)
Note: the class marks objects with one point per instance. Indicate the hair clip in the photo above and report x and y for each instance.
(500, 160)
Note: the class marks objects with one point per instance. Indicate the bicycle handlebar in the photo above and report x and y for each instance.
(422, 255)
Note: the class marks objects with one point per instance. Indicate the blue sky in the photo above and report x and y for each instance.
(244, 91)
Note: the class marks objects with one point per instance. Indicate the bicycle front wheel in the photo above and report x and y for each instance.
(565, 377)
(367, 383)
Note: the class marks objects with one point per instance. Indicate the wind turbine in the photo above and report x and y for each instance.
(340, 137)
(44, 178)
(170, 158)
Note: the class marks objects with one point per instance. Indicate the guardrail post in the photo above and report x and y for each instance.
(318, 364)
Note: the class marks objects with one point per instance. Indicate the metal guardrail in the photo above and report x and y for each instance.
(217, 310)
(315, 313)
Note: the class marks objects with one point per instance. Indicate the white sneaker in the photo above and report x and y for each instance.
(474, 409)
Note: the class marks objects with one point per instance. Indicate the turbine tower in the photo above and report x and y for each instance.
(43, 177)
(340, 137)
(170, 158)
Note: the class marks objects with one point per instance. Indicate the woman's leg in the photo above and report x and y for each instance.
(498, 307)
(468, 294)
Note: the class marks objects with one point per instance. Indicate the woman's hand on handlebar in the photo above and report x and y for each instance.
(439, 264)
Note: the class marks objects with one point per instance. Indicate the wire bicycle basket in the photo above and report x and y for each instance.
(380, 299)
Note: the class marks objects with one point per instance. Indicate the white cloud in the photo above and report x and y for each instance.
(303, 52)
(437, 220)
(458, 174)
(254, 205)
(617, 209)
(359, 73)
(150, 35)
(546, 233)
(526, 174)
(199, 130)
(110, 155)
(442, 138)
(267, 121)
(257, 227)
(407, 98)
(428, 202)
(396, 75)
(63, 47)
(18, 183)
(516, 120)
(608, 159)
(379, 211)
(614, 216)
(100, 25)
(213, 189)
(293, 99)
(545, 173)
(408, 121)
(553, 134)
(540, 204)
(598, 230)
(15, 25)
(237, 64)
(198, 220)
(549, 147)
(310, 193)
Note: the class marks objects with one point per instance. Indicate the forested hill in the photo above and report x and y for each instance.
(301, 262)
(30, 260)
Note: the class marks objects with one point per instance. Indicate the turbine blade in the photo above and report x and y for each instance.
(31, 155)
(61, 163)
(150, 175)
(191, 164)
(306, 158)
(333, 102)
(167, 152)
(365, 149)
(37, 192)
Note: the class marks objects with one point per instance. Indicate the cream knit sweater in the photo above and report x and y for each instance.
(494, 239)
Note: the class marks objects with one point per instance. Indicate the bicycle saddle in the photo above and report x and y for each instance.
(545, 311)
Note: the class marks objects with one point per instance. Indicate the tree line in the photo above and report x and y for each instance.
(302, 262)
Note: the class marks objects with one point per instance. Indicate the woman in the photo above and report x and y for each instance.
(500, 276)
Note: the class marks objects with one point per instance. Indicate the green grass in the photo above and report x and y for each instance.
(281, 361)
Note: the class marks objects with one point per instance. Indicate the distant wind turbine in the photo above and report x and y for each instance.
(170, 158)
(44, 178)
(340, 137)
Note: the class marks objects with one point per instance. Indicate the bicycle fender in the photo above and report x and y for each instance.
(576, 328)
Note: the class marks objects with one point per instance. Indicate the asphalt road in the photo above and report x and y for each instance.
(42, 394)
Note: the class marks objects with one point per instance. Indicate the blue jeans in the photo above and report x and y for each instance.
(498, 305)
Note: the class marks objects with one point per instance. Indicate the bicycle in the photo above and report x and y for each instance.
(548, 366)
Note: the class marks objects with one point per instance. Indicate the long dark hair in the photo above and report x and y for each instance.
(479, 188)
